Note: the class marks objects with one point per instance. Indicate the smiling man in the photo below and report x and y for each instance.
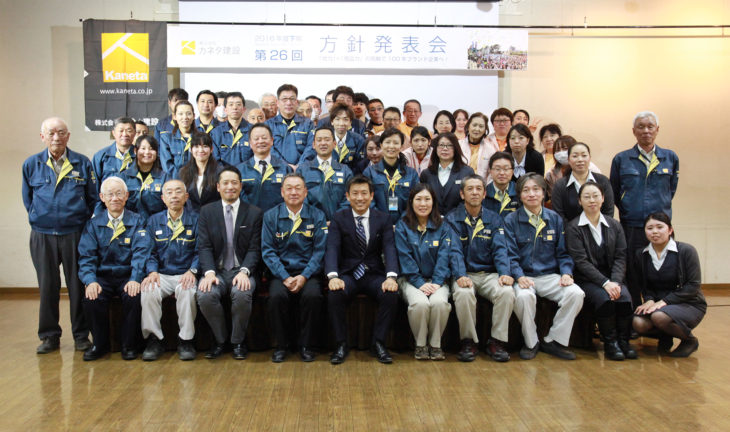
(230, 138)
(290, 130)
(119, 156)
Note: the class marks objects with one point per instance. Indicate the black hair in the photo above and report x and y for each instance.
(458, 155)
(359, 179)
(410, 217)
(207, 92)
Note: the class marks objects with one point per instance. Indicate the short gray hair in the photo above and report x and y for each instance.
(261, 100)
(113, 179)
(44, 126)
(646, 114)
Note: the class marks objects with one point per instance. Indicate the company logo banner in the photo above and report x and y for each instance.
(125, 71)
(327, 47)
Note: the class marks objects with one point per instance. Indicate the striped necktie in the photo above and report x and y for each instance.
(362, 245)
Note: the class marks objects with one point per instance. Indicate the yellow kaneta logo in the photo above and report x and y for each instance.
(188, 47)
(125, 57)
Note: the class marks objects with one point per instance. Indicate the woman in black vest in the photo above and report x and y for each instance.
(446, 171)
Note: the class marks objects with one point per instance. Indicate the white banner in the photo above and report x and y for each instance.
(345, 47)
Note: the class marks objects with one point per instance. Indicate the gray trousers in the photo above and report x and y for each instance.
(184, 302)
(212, 310)
(48, 252)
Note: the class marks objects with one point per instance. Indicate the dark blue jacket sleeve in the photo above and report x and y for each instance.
(408, 264)
(441, 270)
(320, 240)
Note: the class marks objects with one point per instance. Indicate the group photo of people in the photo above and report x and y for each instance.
(316, 200)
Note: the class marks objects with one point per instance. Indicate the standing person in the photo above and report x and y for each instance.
(113, 250)
(644, 180)
(175, 146)
(140, 128)
(522, 148)
(561, 167)
(375, 110)
(171, 270)
(207, 102)
(145, 179)
(502, 197)
(548, 135)
(477, 147)
(443, 122)
(350, 146)
(423, 244)
(119, 156)
(261, 175)
(361, 257)
(59, 194)
(166, 124)
(412, 113)
(479, 264)
(565, 192)
(460, 119)
(418, 155)
(200, 173)
(392, 178)
(290, 130)
(541, 266)
(292, 247)
(446, 172)
(325, 177)
(501, 122)
(269, 105)
(229, 252)
(597, 245)
(373, 154)
(670, 278)
(231, 137)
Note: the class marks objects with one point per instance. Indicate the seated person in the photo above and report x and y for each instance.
(292, 247)
(361, 257)
(669, 273)
(541, 264)
(113, 250)
(171, 270)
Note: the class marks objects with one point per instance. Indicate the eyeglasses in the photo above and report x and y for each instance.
(445, 146)
(117, 194)
(501, 170)
(503, 121)
(289, 99)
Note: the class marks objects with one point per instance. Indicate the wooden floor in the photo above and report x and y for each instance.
(61, 392)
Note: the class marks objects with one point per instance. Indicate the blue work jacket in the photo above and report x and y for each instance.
(173, 254)
(409, 178)
(106, 163)
(355, 150)
(534, 253)
(502, 208)
(58, 204)
(174, 151)
(328, 194)
(479, 248)
(290, 139)
(164, 126)
(423, 255)
(230, 148)
(639, 193)
(287, 251)
(145, 197)
(263, 192)
(213, 124)
(103, 254)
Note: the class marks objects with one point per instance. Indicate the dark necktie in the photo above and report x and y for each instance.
(262, 164)
(361, 244)
(228, 259)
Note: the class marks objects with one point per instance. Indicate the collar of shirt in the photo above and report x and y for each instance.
(671, 246)
(179, 218)
(267, 159)
(320, 160)
(365, 215)
(447, 169)
(530, 214)
(573, 181)
(520, 164)
(341, 142)
(293, 215)
(111, 218)
(595, 230)
(235, 207)
(60, 160)
(648, 155)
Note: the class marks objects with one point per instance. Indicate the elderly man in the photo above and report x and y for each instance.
(292, 246)
(644, 180)
(113, 250)
(412, 112)
(269, 104)
(59, 193)
(171, 269)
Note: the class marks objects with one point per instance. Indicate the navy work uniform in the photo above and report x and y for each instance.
(231, 146)
(262, 182)
(109, 161)
(164, 126)
(113, 256)
(502, 203)
(59, 198)
(348, 150)
(206, 128)
(145, 192)
(391, 192)
(326, 184)
(290, 137)
(174, 151)
(293, 245)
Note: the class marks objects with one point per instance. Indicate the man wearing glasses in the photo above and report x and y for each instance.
(290, 130)
(59, 193)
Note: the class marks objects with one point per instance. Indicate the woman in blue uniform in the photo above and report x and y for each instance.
(597, 245)
(670, 277)
(446, 171)
(200, 173)
(423, 247)
(145, 179)
(392, 178)
(175, 146)
(565, 192)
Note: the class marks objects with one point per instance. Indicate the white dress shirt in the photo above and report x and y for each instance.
(658, 260)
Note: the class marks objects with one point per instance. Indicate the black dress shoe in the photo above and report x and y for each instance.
(48, 344)
(555, 349)
(278, 356)
(306, 354)
(154, 349)
(379, 351)
(468, 351)
(129, 354)
(685, 347)
(82, 344)
(214, 352)
(94, 353)
(240, 352)
(338, 357)
(186, 350)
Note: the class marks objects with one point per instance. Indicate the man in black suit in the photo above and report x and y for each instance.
(229, 250)
(357, 240)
